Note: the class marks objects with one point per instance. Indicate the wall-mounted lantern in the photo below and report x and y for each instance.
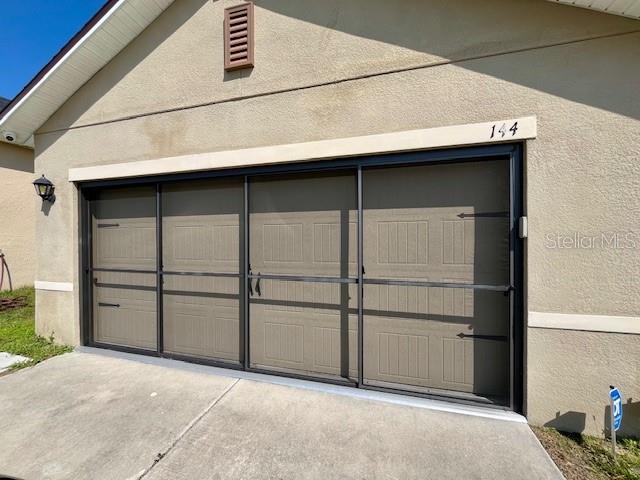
(44, 189)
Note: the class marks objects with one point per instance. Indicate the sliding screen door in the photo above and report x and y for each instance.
(201, 243)
(124, 263)
(447, 224)
(303, 302)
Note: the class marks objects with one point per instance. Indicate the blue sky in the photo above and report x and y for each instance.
(32, 31)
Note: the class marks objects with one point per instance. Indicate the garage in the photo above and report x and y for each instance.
(397, 272)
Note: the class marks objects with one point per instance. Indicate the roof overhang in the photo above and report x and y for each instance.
(110, 30)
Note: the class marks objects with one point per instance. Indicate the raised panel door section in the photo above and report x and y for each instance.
(202, 255)
(124, 246)
(304, 226)
(444, 224)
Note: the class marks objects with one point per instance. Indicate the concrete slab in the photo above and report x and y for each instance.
(271, 431)
(118, 416)
(396, 399)
(87, 416)
(9, 359)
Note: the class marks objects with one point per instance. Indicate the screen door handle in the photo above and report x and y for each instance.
(250, 286)
(258, 291)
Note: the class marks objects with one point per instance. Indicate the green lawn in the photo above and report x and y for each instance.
(17, 332)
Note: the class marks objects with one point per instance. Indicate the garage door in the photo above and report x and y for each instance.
(303, 299)
(437, 225)
(262, 272)
(124, 263)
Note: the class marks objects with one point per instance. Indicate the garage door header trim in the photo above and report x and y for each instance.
(515, 129)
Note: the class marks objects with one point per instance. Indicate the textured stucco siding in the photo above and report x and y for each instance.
(323, 70)
(54, 311)
(177, 61)
(17, 214)
(570, 373)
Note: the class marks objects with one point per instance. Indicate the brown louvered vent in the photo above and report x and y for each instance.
(238, 37)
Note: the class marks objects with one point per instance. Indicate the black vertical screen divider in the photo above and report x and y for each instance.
(360, 282)
(159, 266)
(245, 278)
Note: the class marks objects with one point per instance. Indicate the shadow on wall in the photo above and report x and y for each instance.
(630, 419)
(462, 32)
(434, 27)
(236, 74)
(16, 158)
(46, 206)
(444, 31)
(576, 421)
(569, 422)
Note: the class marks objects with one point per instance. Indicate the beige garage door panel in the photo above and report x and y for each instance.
(124, 229)
(438, 222)
(125, 309)
(407, 343)
(201, 234)
(302, 327)
(201, 317)
(304, 225)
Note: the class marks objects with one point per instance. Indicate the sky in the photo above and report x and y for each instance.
(32, 31)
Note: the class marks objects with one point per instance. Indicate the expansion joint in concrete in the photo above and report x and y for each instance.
(186, 430)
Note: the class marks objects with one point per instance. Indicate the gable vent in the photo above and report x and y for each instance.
(238, 37)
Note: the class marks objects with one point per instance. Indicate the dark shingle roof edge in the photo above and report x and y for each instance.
(4, 102)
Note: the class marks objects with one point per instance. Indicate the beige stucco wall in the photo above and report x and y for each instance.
(571, 372)
(344, 68)
(17, 214)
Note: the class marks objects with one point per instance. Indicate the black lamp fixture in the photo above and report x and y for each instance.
(44, 188)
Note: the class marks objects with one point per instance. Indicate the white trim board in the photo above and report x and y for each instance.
(593, 323)
(54, 286)
(430, 138)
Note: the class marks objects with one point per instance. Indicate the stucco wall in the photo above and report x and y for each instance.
(17, 214)
(572, 371)
(332, 69)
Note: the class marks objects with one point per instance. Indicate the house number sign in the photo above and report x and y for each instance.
(502, 131)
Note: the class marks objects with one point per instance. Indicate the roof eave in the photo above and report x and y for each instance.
(41, 97)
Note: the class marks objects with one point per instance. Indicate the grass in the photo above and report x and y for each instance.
(17, 332)
(589, 458)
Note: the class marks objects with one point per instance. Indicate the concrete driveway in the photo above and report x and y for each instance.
(104, 415)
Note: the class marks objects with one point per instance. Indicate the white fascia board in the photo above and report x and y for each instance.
(501, 131)
(61, 62)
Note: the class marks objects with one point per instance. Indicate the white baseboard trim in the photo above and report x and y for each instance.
(411, 140)
(592, 323)
(54, 286)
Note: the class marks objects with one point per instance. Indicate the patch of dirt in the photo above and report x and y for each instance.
(573, 461)
(11, 303)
